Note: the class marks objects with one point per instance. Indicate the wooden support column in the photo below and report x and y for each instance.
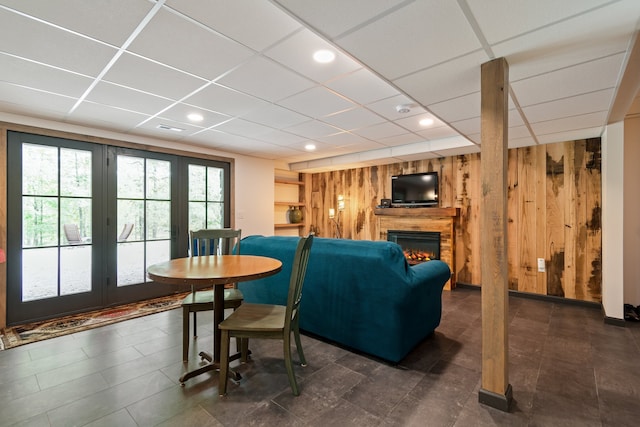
(495, 390)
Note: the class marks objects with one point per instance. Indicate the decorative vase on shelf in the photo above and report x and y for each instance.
(294, 214)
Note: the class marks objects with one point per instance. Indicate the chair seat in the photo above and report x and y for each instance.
(206, 297)
(256, 318)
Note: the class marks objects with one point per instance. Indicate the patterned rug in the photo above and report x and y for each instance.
(32, 332)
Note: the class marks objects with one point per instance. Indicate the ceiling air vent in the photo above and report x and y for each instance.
(171, 128)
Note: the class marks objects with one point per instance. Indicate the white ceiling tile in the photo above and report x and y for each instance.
(281, 138)
(342, 139)
(456, 109)
(567, 43)
(312, 129)
(503, 19)
(136, 72)
(150, 127)
(275, 116)
(448, 143)
(188, 46)
(406, 138)
(125, 98)
(225, 101)
(317, 102)
(363, 87)
(105, 117)
(322, 16)
(353, 119)
(570, 123)
(583, 78)
(256, 24)
(32, 74)
(518, 132)
(111, 22)
(30, 39)
(581, 104)
(571, 135)
(437, 133)
(34, 103)
(467, 126)
(296, 52)
(444, 81)
(431, 33)
(243, 128)
(381, 130)
(275, 82)
(515, 119)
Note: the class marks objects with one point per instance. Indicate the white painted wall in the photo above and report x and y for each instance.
(612, 220)
(632, 211)
(254, 197)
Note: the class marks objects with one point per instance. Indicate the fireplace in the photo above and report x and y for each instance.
(418, 246)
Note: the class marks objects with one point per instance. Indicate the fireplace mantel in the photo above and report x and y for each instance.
(419, 212)
(441, 220)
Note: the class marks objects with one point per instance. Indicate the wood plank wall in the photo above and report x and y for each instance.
(554, 211)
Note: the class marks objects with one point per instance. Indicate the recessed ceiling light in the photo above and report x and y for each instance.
(426, 122)
(310, 147)
(195, 117)
(324, 56)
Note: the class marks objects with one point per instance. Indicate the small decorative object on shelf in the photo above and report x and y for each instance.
(294, 214)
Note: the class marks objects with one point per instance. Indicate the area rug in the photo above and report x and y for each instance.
(24, 334)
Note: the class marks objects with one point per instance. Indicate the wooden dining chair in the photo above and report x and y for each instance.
(269, 321)
(209, 242)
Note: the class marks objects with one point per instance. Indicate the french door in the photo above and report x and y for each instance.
(86, 220)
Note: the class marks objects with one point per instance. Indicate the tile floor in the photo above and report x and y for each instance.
(567, 368)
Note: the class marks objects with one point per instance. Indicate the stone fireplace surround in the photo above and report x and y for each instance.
(441, 220)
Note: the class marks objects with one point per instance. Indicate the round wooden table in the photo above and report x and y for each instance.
(216, 270)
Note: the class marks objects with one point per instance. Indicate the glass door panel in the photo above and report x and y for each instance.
(50, 197)
(144, 212)
(206, 197)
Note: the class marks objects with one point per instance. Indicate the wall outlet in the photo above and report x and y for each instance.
(541, 265)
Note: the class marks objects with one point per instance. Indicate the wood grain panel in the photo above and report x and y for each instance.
(554, 215)
(550, 214)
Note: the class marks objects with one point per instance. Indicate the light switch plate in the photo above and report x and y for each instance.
(541, 265)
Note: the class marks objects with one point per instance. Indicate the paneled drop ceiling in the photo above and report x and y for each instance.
(137, 68)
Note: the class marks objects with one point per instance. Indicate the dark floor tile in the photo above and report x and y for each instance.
(382, 389)
(619, 408)
(86, 367)
(550, 409)
(170, 402)
(38, 403)
(192, 417)
(97, 405)
(345, 414)
(119, 418)
(567, 379)
(571, 349)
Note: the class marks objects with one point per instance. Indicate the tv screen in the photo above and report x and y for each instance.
(418, 189)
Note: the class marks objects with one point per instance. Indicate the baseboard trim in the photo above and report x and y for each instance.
(614, 321)
(495, 400)
(548, 298)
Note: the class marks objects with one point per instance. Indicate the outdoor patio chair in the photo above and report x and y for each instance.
(126, 231)
(72, 234)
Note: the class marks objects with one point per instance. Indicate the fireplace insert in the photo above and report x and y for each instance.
(418, 246)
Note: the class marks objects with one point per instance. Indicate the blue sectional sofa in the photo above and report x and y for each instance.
(360, 294)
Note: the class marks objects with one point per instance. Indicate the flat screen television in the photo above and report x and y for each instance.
(417, 189)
